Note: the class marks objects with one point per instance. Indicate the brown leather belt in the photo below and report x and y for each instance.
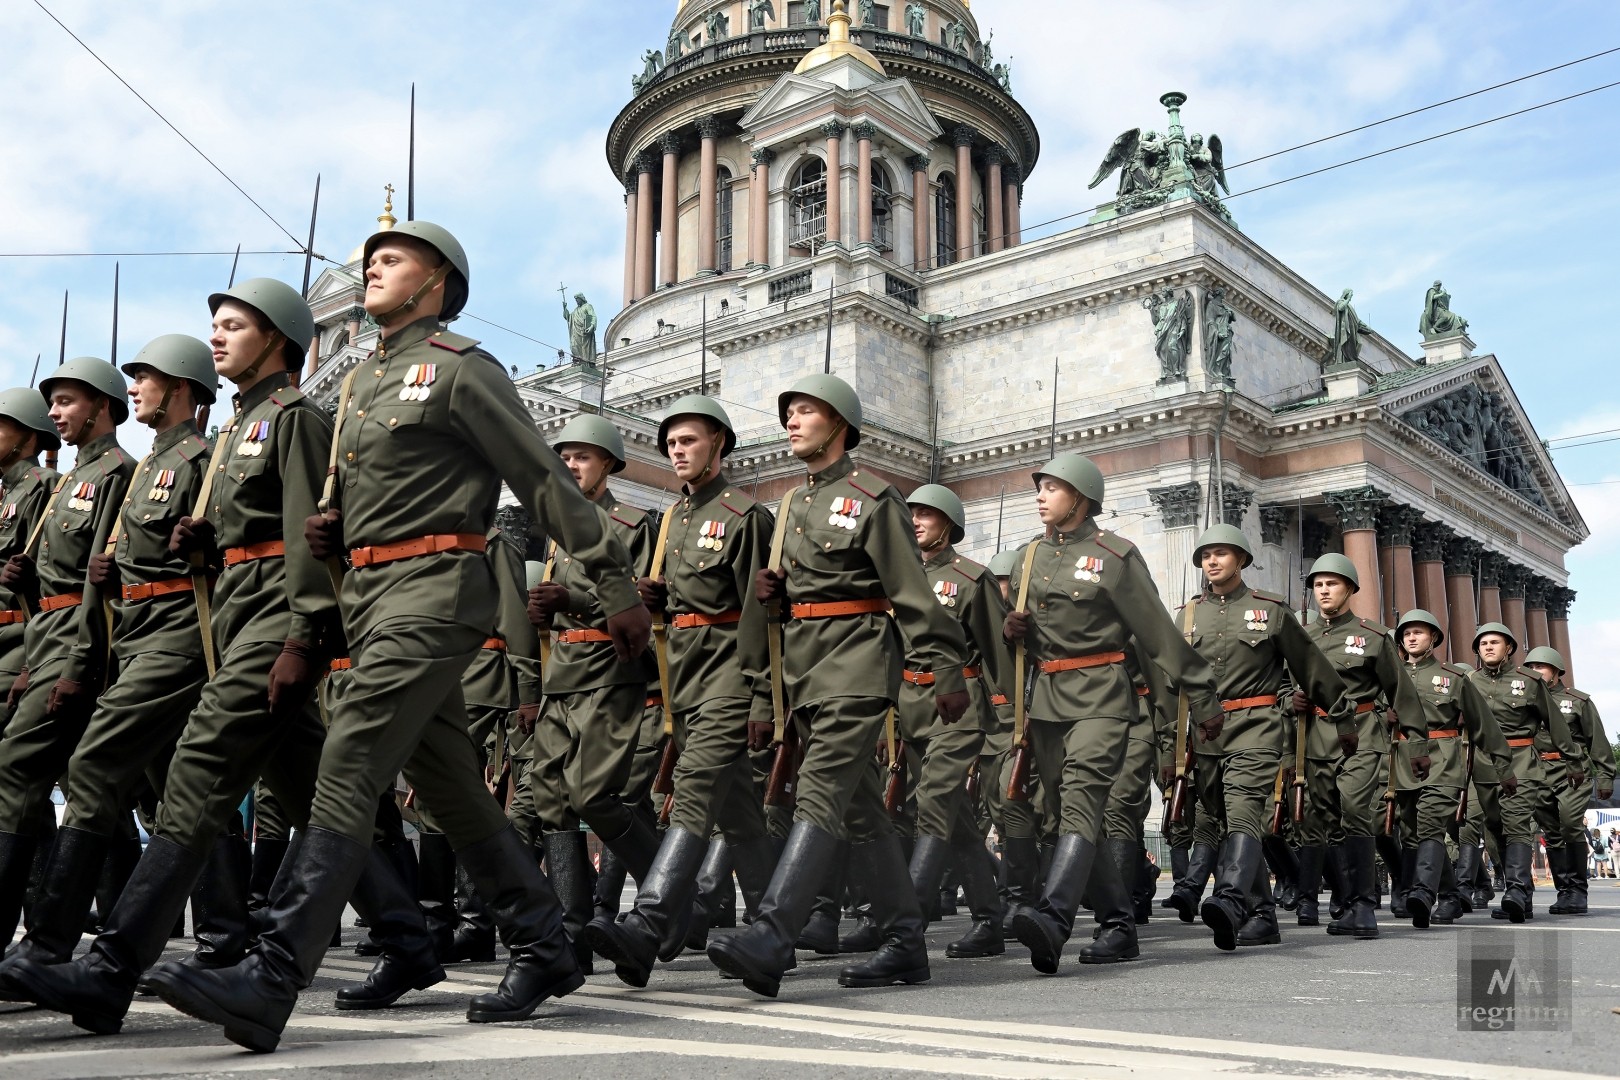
(342, 663)
(1520, 744)
(270, 549)
(840, 607)
(1552, 755)
(655, 701)
(1259, 702)
(691, 619)
(576, 637)
(999, 699)
(496, 643)
(1072, 663)
(926, 678)
(11, 618)
(1444, 733)
(1361, 707)
(1142, 691)
(134, 593)
(377, 554)
(61, 600)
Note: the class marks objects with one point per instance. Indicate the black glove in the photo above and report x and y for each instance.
(103, 572)
(1604, 788)
(324, 535)
(950, 707)
(1015, 625)
(1300, 704)
(769, 585)
(20, 575)
(1420, 767)
(68, 696)
(1348, 742)
(545, 600)
(630, 630)
(654, 592)
(292, 677)
(1210, 727)
(1510, 786)
(760, 736)
(192, 535)
(1577, 776)
(527, 714)
(19, 687)
(1167, 776)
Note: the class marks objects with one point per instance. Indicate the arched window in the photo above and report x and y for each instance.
(882, 219)
(945, 220)
(722, 220)
(808, 202)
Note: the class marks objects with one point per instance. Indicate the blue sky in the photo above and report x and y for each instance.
(514, 99)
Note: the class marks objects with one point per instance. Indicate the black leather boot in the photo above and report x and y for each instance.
(436, 890)
(632, 943)
(1179, 858)
(1115, 939)
(16, 863)
(880, 866)
(1448, 908)
(930, 858)
(1577, 867)
(754, 861)
(568, 868)
(1520, 886)
(1260, 928)
(608, 892)
(1467, 873)
(1393, 854)
(1142, 886)
(267, 857)
(474, 939)
(1400, 883)
(1558, 870)
(1337, 870)
(1045, 926)
(408, 961)
(1285, 865)
(1227, 908)
(760, 954)
(1423, 894)
(96, 989)
(123, 852)
(529, 919)
(219, 905)
(1021, 859)
(1359, 855)
(714, 901)
(1185, 897)
(820, 932)
(1310, 885)
(976, 867)
(66, 892)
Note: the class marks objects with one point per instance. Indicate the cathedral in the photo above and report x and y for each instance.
(808, 186)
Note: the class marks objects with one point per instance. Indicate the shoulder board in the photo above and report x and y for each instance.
(1571, 692)
(737, 502)
(40, 474)
(1113, 543)
(446, 339)
(191, 447)
(966, 569)
(855, 478)
(1376, 627)
(628, 516)
(1461, 673)
(287, 396)
(1274, 598)
(1196, 598)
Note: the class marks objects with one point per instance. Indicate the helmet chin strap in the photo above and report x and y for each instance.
(90, 421)
(831, 435)
(938, 543)
(389, 317)
(277, 340)
(163, 405)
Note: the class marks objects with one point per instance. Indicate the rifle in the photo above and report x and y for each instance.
(1389, 796)
(1184, 741)
(973, 786)
(1018, 783)
(784, 768)
(1277, 801)
(1468, 778)
(894, 792)
(664, 782)
(1301, 726)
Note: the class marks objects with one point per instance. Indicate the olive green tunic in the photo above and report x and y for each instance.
(27, 486)
(1453, 717)
(1523, 709)
(1580, 713)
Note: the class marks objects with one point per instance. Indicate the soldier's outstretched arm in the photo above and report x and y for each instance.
(1399, 690)
(1602, 751)
(303, 444)
(930, 632)
(89, 652)
(1562, 739)
(1137, 601)
(753, 551)
(982, 618)
(1483, 729)
(1313, 671)
(511, 616)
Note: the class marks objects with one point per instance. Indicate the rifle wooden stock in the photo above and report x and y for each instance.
(665, 810)
(1277, 803)
(1178, 790)
(1389, 815)
(784, 769)
(1018, 784)
(1468, 778)
(1299, 798)
(973, 785)
(894, 792)
(664, 782)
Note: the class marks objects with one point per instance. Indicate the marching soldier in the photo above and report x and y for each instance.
(1129, 800)
(25, 431)
(66, 641)
(851, 558)
(1344, 792)
(1567, 853)
(1254, 644)
(1524, 711)
(1017, 820)
(1089, 594)
(1432, 763)
(715, 539)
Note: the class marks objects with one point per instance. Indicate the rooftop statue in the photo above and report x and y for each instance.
(1438, 320)
(760, 12)
(916, 19)
(1345, 347)
(1155, 169)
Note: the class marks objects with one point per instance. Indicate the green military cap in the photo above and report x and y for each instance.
(590, 430)
(183, 357)
(1080, 473)
(99, 376)
(1419, 617)
(943, 499)
(697, 405)
(1223, 536)
(1545, 654)
(25, 406)
(1004, 563)
(1339, 566)
(1496, 628)
(439, 239)
(838, 395)
(276, 301)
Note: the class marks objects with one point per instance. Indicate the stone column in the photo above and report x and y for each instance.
(922, 212)
(1429, 570)
(629, 237)
(996, 224)
(1178, 507)
(1395, 526)
(708, 192)
(835, 181)
(644, 226)
(1274, 534)
(668, 229)
(1358, 513)
(864, 133)
(1514, 578)
(1235, 502)
(759, 253)
(964, 193)
(1558, 600)
(1012, 177)
(1491, 566)
(1462, 554)
(1535, 611)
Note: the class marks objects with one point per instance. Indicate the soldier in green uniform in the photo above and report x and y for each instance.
(850, 559)
(1344, 793)
(1432, 762)
(1089, 595)
(66, 641)
(157, 652)
(25, 431)
(715, 541)
(1016, 820)
(1255, 646)
(1567, 851)
(1125, 816)
(1524, 710)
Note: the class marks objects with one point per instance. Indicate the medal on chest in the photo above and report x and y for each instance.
(162, 485)
(1256, 619)
(8, 512)
(1088, 568)
(1442, 684)
(1355, 646)
(1516, 687)
(83, 497)
(1567, 707)
(845, 513)
(946, 592)
(253, 438)
(418, 380)
(712, 535)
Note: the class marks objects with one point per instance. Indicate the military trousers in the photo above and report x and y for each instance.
(714, 782)
(1572, 801)
(1131, 797)
(778, 819)
(584, 749)
(34, 752)
(1079, 760)
(1343, 797)
(937, 771)
(1484, 819)
(1234, 793)
(1530, 810)
(840, 790)
(649, 754)
(270, 819)
(1024, 819)
(1427, 813)
(482, 721)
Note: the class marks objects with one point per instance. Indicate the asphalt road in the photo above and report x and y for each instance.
(1314, 1006)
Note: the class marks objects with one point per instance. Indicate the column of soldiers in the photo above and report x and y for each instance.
(817, 697)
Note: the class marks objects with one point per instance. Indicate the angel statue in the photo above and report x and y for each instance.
(1345, 348)
(1207, 167)
(1137, 158)
(1172, 331)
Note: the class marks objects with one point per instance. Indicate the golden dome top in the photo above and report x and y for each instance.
(838, 44)
(385, 221)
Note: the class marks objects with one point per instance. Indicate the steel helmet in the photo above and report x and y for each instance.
(439, 239)
(1419, 617)
(183, 357)
(99, 376)
(697, 405)
(941, 498)
(1545, 654)
(837, 394)
(276, 301)
(25, 406)
(1080, 473)
(1004, 563)
(592, 430)
(1339, 566)
(1497, 628)
(1223, 536)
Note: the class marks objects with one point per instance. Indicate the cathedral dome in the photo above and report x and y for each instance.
(836, 45)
